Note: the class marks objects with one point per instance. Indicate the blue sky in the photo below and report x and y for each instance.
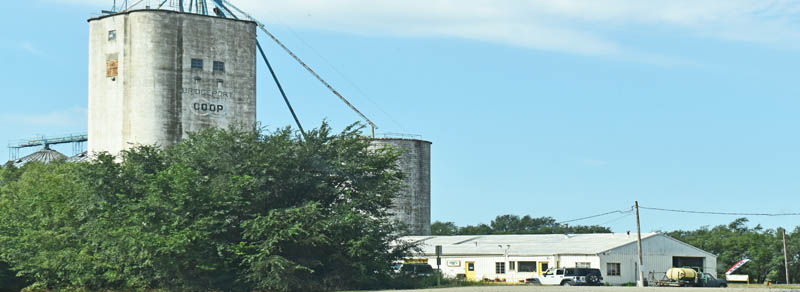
(548, 108)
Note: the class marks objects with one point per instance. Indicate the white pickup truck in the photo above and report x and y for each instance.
(570, 277)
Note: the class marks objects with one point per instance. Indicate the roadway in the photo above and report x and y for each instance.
(531, 288)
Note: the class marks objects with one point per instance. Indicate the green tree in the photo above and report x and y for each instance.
(513, 224)
(222, 210)
(737, 241)
(537, 225)
(443, 228)
(9, 282)
(506, 224)
(480, 229)
(793, 248)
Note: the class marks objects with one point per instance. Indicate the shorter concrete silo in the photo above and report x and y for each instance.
(413, 206)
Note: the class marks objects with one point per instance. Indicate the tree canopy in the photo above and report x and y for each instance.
(736, 241)
(513, 224)
(222, 210)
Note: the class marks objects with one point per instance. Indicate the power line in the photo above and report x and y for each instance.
(628, 214)
(598, 215)
(720, 213)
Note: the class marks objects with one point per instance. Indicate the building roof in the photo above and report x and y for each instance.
(164, 10)
(525, 244)
(80, 157)
(45, 155)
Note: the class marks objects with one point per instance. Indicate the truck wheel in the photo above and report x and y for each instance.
(566, 283)
(593, 278)
(723, 286)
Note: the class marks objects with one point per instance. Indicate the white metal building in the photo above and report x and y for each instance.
(515, 258)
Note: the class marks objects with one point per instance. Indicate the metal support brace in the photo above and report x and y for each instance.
(264, 29)
(274, 77)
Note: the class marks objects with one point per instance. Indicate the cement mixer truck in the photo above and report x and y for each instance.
(688, 277)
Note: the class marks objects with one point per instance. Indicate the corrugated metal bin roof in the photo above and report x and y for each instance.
(45, 155)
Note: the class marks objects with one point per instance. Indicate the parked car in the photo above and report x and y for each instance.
(416, 270)
(569, 277)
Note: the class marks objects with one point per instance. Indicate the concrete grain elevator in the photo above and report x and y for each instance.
(413, 206)
(156, 75)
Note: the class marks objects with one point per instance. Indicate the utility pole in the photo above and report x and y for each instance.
(639, 283)
(785, 257)
(438, 264)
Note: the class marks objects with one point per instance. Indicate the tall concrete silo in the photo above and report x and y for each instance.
(413, 206)
(156, 75)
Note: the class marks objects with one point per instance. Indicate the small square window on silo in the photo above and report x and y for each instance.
(112, 35)
(197, 64)
(219, 66)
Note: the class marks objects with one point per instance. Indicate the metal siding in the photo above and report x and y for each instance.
(569, 261)
(657, 257)
(711, 262)
(627, 268)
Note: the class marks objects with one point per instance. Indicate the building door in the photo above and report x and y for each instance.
(469, 270)
(543, 267)
(688, 262)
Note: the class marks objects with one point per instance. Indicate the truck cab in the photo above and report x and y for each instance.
(707, 280)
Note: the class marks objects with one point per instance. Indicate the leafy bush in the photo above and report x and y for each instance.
(222, 210)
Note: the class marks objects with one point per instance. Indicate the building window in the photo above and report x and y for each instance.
(112, 35)
(499, 268)
(583, 265)
(512, 266)
(613, 269)
(197, 64)
(219, 66)
(526, 267)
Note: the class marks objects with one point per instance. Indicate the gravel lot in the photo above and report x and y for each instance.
(590, 289)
